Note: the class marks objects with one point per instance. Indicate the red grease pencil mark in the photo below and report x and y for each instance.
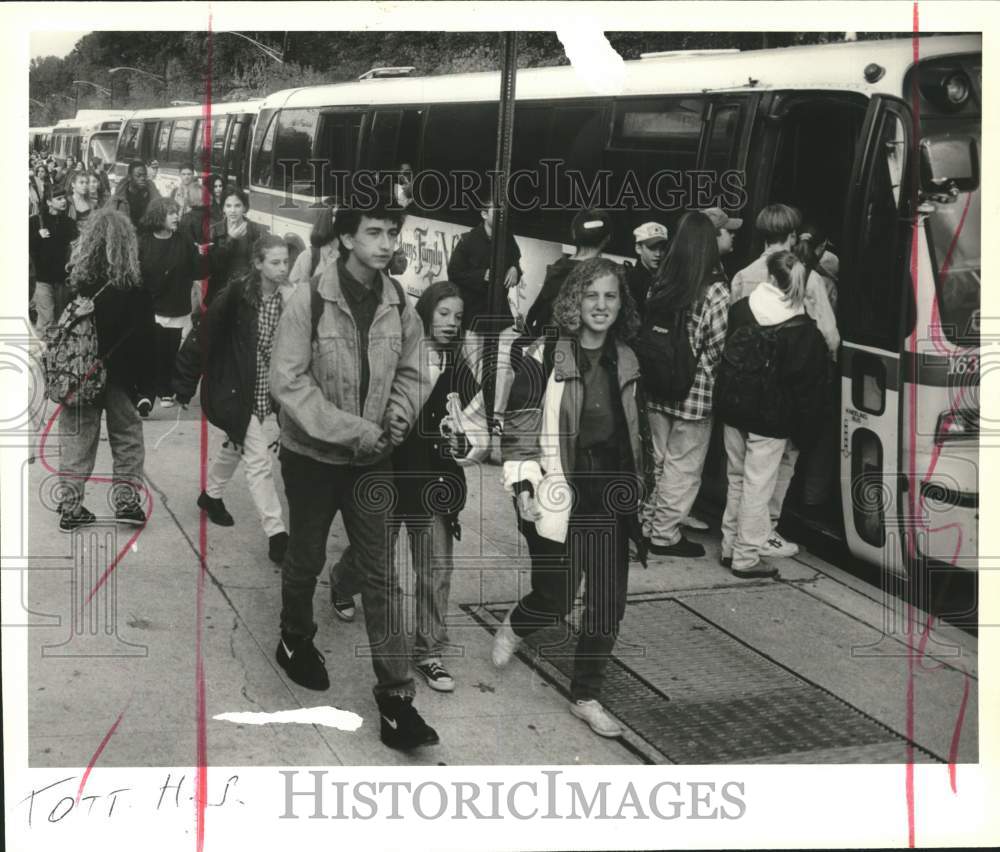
(911, 497)
(201, 775)
(100, 748)
(939, 346)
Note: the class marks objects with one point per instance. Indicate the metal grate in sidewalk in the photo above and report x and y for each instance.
(698, 695)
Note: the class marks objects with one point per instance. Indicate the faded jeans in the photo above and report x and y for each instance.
(679, 451)
(752, 463)
(257, 465)
(432, 548)
(79, 438)
(50, 301)
(316, 492)
(786, 470)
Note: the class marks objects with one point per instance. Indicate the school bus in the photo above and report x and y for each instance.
(877, 141)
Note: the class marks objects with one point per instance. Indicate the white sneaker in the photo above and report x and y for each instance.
(504, 644)
(167, 402)
(776, 546)
(597, 717)
(693, 523)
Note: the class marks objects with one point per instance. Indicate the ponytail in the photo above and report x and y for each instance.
(789, 276)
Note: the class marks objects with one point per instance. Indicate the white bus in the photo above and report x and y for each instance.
(877, 147)
(91, 133)
(39, 139)
(174, 136)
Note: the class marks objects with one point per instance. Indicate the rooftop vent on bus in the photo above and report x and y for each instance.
(660, 54)
(391, 71)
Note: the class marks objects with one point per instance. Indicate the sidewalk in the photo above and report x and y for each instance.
(708, 669)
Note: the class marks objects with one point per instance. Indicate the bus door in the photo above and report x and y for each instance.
(875, 315)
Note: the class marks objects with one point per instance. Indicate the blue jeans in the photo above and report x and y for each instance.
(79, 437)
(316, 492)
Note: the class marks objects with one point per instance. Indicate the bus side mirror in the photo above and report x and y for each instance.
(949, 165)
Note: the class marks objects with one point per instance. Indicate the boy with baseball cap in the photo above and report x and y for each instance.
(724, 227)
(651, 247)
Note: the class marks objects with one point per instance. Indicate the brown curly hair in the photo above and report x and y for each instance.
(107, 252)
(566, 307)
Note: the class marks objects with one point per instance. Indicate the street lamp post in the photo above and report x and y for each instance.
(112, 71)
(76, 92)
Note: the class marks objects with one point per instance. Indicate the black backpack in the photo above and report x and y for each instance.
(749, 394)
(666, 360)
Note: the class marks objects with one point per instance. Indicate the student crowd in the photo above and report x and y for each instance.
(616, 375)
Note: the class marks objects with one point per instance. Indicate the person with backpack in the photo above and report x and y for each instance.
(346, 373)
(770, 392)
(233, 347)
(133, 195)
(430, 483)
(650, 248)
(690, 298)
(104, 342)
(571, 441)
(322, 247)
(779, 224)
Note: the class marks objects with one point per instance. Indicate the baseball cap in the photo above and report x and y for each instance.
(650, 232)
(591, 227)
(720, 219)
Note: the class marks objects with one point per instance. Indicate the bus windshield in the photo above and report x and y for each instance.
(103, 145)
(954, 233)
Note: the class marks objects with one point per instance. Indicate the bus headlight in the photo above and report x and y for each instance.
(961, 424)
(956, 89)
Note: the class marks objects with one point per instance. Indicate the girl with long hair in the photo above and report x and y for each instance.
(771, 391)
(169, 263)
(572, 461)
(95, 190)
(430, 484)
(233, 240)
(104, 268)
(691, 282)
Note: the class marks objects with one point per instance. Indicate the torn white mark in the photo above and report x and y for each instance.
(330, 717)
(135, 547)
(595, 61)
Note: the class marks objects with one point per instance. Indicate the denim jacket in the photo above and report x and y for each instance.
(315, 379)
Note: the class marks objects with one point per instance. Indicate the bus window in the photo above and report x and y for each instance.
(128, 147)
(293, 148)
(198, 144)
(219, 126)
(380, 150)
(873, 314)
(447, 151)
(161, 151)
(262, 173)
(409, 135)
(236, 147)
(670, 125)
(723, 137)
(180, 142)
(147, 144)
(337, 146)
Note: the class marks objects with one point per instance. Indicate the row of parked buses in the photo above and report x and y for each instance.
(877, 141)
(90, 133)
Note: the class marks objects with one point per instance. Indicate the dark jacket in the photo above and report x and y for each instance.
(50, 254)
(169, 267)
(125, 333)
(470, 261)
(639, 281)
(423, 460)
(803, 374)
(230, 259)
(132, 201)
(224, 348)
(540, 313)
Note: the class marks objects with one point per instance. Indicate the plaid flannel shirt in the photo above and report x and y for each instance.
(706, 328)
(268, 314)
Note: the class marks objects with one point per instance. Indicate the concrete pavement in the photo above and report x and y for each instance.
(697, 645)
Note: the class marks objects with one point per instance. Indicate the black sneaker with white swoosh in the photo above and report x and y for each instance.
(402, 726)
(302, 663)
